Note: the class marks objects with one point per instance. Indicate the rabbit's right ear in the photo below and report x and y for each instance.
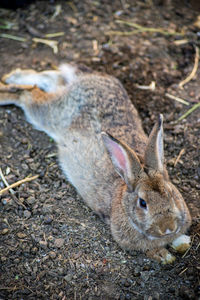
(124, 159)
(154, 153)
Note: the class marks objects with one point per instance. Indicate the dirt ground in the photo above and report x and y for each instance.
(52, 245)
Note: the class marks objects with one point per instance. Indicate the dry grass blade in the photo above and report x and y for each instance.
(50, 43)
(13, 37)
(149, 29)
(27, 179)
(122, 32)
(181, 42)
(189, 111)
(194, 70)
(4, 24)
(177, 99)
(56, 34)
(151, 86)
(179, 156)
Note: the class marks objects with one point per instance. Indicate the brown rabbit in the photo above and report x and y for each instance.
(129, 189)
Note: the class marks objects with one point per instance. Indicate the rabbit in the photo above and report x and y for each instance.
(103, 151)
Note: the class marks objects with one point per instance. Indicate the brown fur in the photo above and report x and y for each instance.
(116, 179)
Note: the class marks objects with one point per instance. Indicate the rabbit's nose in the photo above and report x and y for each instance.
(168, 227)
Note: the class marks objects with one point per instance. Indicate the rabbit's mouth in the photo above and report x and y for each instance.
(156, 233)
(159, 234)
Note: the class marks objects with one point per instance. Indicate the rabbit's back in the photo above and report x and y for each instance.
(75, 114)
(95, 103)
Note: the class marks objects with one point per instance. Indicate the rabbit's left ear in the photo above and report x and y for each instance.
(124, 159)
(154, 153)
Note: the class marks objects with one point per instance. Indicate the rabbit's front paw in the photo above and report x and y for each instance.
(161, 255)
(181, 244)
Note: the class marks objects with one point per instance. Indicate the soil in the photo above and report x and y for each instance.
(52, 245)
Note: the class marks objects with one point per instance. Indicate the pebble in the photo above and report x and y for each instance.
(59, 242)
(31, 200)
(145, 275)
(6, 201)
(21, 235)
(3, 258)
(27, 214)
(68, 277)
(43, 244)
(48, 219)
(24, 166)
(34, 250)
(52, 254)
(5, 231)
(46, 209)
(136, 272)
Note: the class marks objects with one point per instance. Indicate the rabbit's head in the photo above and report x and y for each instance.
(150, 204)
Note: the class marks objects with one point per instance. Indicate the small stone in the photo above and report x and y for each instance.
(60, 271)
(50, 238)
(21, 235)
(24, 166)
(46, 209)
(136, 272)
(145, 275)
(176, 181)
(146, 268)
(34, 250)
(48, 219)
(127, 283)
(52, 254)
(31, 200)
(3, 258)
(43, 244)
(5, 231)
(59, 243)
(27, 214)
(68, 277)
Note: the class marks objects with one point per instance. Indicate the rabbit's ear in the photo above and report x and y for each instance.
(124, 159)
(154, 155)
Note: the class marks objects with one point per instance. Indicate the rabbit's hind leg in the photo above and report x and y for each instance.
(48, 81)
(11, 94)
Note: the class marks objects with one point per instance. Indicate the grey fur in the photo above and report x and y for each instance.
(80, 106)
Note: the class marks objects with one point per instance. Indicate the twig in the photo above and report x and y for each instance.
(51, 43)
(58, 9)
(192, 74)
(149, 29)
(177, 99)
(181, 42)
(5, 182)
(151, 86)
(183, 271)
(27, 179)
(52, 35)
(179, 156)
(13, 37)
(189, 111)
(122, 32)
(6, 24)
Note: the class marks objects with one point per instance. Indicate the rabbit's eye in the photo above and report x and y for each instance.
(142, 203)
